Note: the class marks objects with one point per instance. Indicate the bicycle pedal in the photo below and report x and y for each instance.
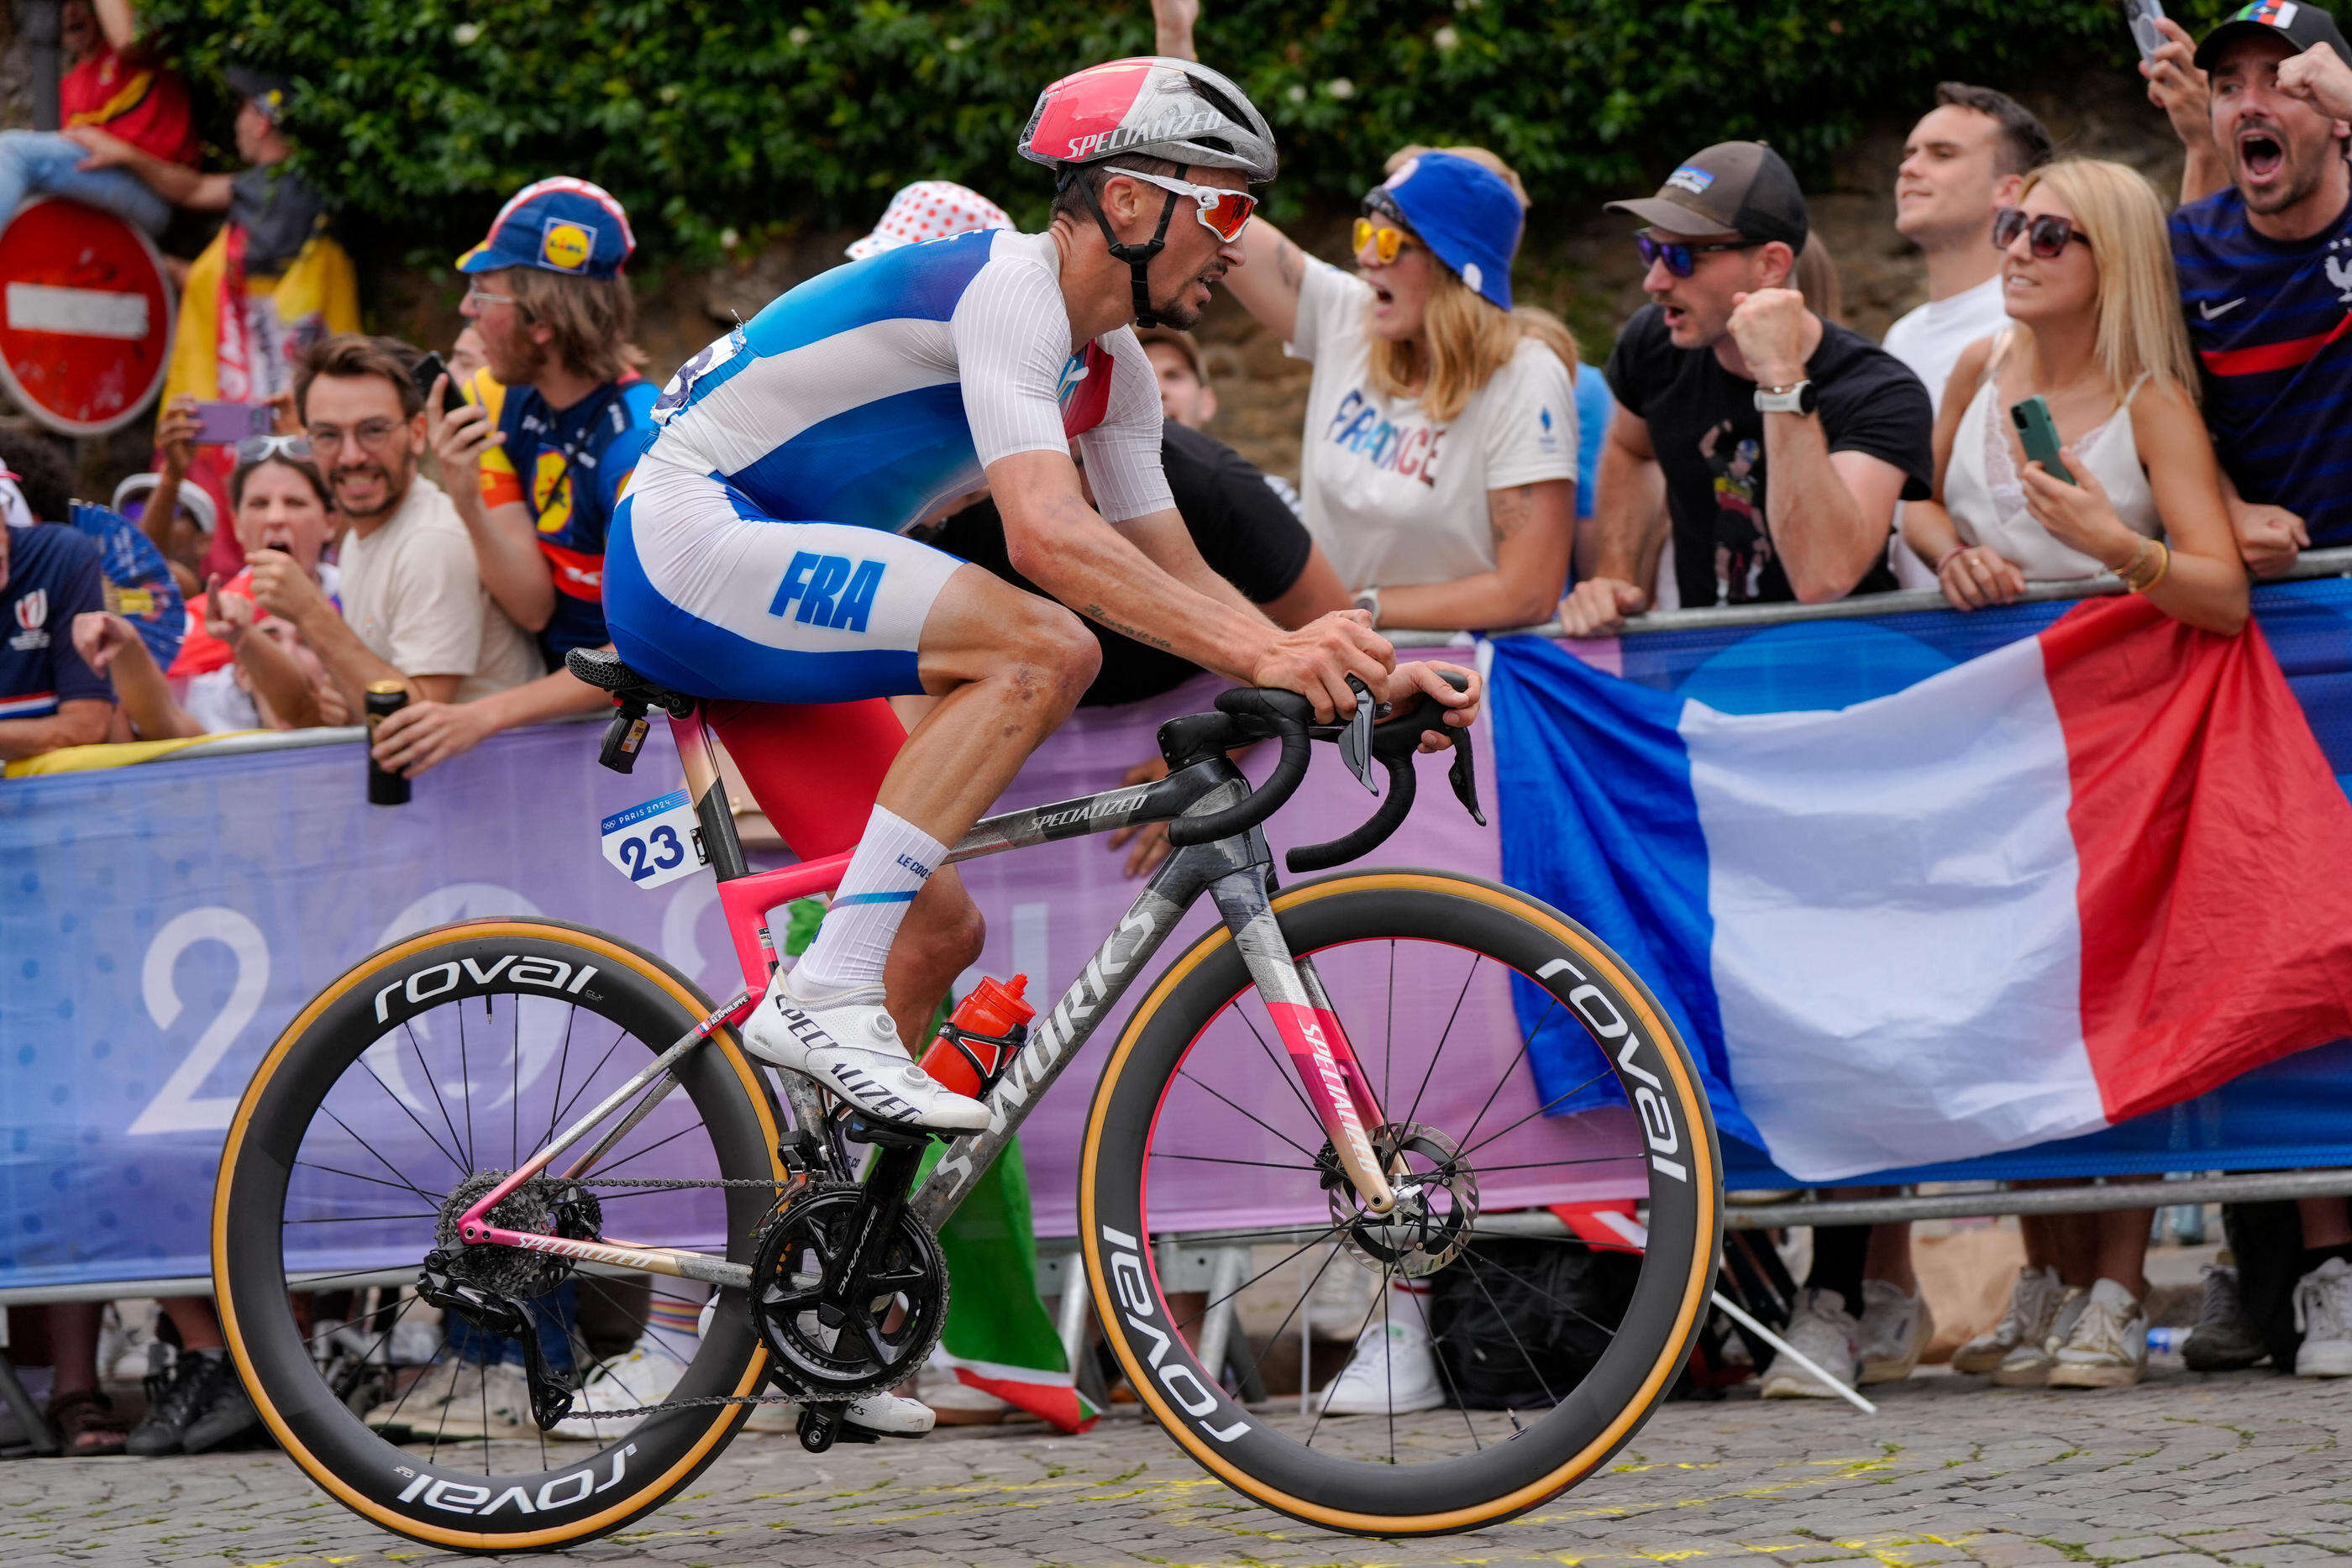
(819, 1426)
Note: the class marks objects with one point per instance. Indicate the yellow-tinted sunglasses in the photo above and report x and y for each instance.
(1386, 241)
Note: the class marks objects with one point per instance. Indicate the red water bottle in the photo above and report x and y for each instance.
(986, 1027)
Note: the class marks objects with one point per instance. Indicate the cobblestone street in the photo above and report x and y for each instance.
(2245, 1469)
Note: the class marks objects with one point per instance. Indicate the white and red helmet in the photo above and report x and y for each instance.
(1153, 105)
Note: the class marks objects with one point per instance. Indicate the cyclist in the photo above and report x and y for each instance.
(760, 555)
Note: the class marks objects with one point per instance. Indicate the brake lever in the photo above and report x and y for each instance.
(1464, 776)
(1356, 736)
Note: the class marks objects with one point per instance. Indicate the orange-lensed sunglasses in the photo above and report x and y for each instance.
(1221, 212)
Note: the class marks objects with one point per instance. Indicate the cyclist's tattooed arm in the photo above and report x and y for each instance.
(1267, 282)
(1097, 612)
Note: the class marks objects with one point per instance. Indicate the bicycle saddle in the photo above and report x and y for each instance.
(603, 668)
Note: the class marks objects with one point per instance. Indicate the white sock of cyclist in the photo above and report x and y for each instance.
(893, 862)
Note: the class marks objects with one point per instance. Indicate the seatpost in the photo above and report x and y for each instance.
(698, 753)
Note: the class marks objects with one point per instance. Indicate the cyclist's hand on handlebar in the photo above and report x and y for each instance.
(1315, 661)
(1411, 679)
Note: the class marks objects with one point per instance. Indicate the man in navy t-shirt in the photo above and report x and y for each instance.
(48, 697)
(2266, 265)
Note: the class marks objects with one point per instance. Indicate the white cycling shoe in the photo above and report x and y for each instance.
(846, 1041)
(890, 1415)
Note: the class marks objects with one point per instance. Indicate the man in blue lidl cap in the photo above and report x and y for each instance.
(553, 425)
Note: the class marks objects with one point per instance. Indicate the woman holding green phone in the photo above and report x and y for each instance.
(2070, 444)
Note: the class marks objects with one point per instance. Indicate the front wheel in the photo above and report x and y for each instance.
(1435, 1375)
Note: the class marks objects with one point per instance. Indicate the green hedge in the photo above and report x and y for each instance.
(712, 116)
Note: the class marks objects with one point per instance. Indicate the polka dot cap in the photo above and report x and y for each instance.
(930, 209)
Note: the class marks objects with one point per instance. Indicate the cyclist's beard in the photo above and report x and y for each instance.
(1174, 312)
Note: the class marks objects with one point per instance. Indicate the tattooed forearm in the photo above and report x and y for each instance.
(1508, 511)
(1096, 612)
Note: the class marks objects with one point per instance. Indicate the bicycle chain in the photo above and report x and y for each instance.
(713, 1400)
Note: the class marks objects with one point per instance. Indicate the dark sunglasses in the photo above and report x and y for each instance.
(2049, 233)
(1678, 255)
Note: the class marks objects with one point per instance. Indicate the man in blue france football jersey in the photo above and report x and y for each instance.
(2264, 243)
(48, 697)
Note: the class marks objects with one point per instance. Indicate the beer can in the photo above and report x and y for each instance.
(383, 699)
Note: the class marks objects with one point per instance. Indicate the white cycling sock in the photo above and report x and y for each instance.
(893, 861)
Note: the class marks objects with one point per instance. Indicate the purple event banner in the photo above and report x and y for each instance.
(164, 922)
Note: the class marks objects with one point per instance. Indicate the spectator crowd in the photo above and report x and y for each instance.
(439, 524)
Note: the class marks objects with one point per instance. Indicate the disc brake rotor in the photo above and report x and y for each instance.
(1436, 1202)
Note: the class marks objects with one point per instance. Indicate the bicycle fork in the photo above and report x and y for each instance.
(1335, 1084)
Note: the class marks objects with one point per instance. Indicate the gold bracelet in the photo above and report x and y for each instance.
(2138, 576)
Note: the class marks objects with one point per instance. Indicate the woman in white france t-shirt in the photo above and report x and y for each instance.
(1439, 457)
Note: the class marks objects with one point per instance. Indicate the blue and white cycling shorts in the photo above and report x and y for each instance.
(707, 593)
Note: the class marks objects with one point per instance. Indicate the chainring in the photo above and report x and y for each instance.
(831, 1351)
(543, 1204)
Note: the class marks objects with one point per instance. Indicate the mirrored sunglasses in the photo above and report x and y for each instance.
(1386, 240)
(1221, 212)
(1680, 257)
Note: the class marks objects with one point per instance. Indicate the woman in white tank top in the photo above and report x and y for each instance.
(2097, 333)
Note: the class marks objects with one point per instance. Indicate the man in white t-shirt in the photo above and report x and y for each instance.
(414, 609)
(1962, 163)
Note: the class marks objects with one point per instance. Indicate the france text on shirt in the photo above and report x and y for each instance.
(1410, 450)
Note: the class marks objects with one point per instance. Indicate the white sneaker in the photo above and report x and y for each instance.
(643, 1374)
(2107, 1347)
(501, 1409)
(2323, 1312)
(847, 1043)
(2028, 1367)
(1894, 1331)
(446, 1388)
(2032, 1308)
(1392, 1371)
(1826, 1335)
(126, 1342)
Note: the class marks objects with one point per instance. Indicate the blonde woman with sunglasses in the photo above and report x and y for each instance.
(2087, 280)
(1439, 459)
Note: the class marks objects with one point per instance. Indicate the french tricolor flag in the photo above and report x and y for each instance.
(2084, 876)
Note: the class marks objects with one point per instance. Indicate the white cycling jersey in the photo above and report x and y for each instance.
(872, 391)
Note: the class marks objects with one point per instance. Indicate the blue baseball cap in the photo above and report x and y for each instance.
(1466, 214)
(556, 225)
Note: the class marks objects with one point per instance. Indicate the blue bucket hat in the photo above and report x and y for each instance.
(1465, 213)
(556, 225)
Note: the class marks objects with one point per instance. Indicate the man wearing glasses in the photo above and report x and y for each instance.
(414, 609)
(1782, 441)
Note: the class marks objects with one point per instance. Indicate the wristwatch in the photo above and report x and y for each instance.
(1369, 599)
(1799, 399)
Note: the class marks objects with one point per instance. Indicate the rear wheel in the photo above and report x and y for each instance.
(403, 1091)
(1442, 1369)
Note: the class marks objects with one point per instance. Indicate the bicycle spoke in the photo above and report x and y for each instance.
(1206, 1307)
(514, 1094)
(416, 1048)
(1260, 1121)
(562, 1061)
(649, 1148)
(363, 1219)
(583, 1088)
(1460, 997)
(1500, 1316)
(379, 1158)
(1555, 1100)
(1527, 1043)
(432, 1197)
(1517, 1279)
(463, 1168)
(1305, 1370)
(1305, 1367)
(1288, 1071)
(1388, 1040)
(1220, 1160)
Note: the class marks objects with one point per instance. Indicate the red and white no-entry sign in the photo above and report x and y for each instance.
(85, 316)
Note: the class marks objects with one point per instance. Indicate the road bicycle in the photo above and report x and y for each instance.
(1354, 1164)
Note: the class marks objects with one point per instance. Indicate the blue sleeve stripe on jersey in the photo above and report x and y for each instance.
(922, 282)
(878, 466)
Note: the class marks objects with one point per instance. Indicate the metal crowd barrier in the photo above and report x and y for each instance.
(1208, 1267)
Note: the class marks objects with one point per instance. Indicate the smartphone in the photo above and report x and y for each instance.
(431, 369)
(2143, 16)
(221, 423)
(2038, 433)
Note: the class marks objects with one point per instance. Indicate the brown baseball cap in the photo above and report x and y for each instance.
(1740, 188)
(1183, 343)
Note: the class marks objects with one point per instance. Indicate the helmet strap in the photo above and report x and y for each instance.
(1137, 256)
